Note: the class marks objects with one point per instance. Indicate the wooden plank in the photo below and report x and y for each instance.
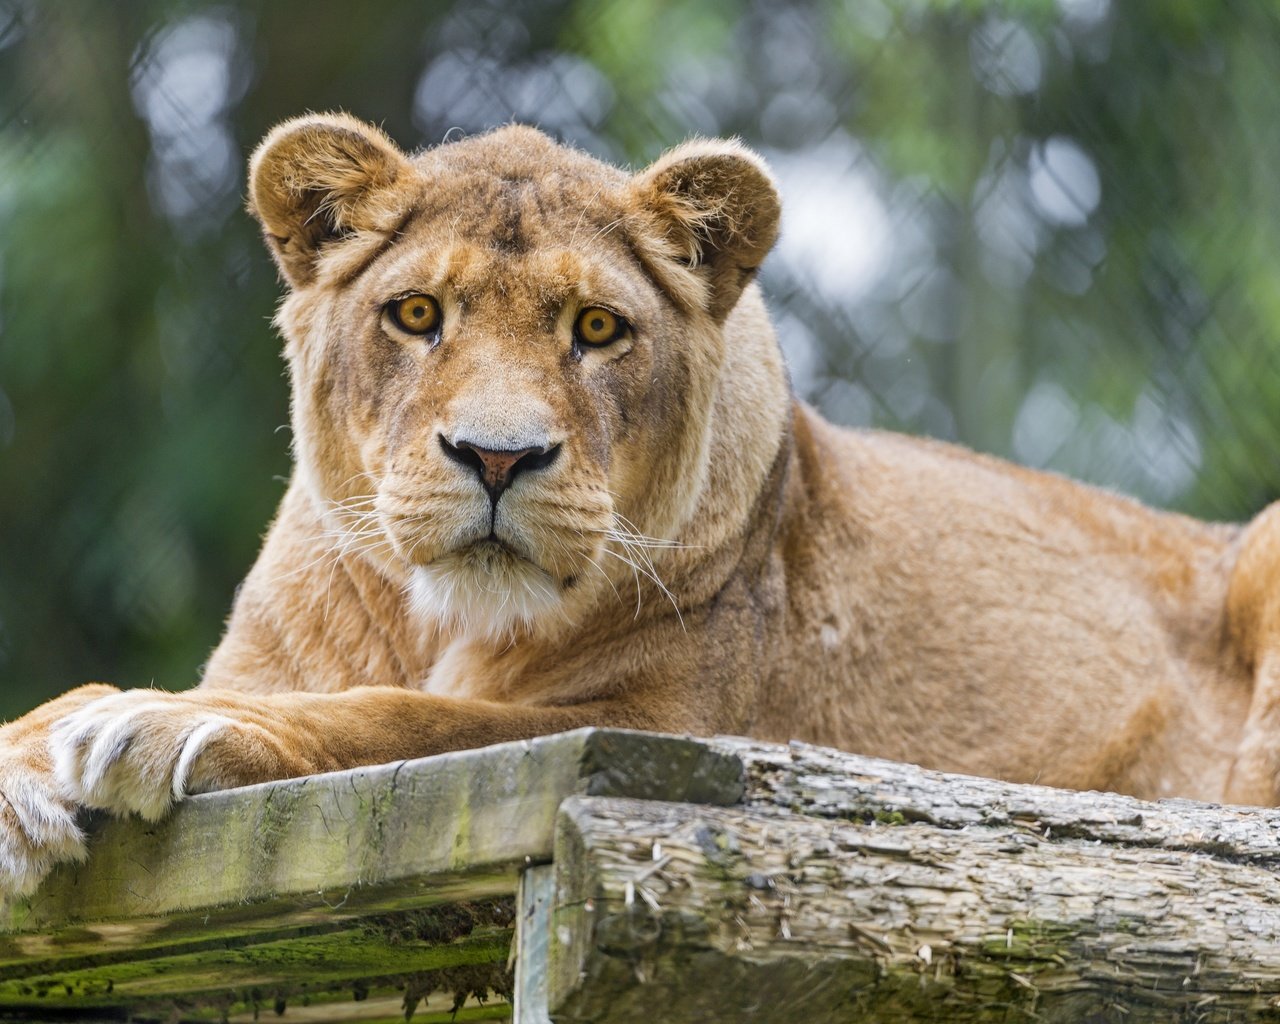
(533, 928)
(327, 847)
(321, 960)
(701, 914)
(235, 892)
(818, 782)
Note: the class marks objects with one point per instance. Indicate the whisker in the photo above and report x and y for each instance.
(353, 546)
(334, 550)
(635, 573)
(582, 216)
(600, 569)
(655, 543)
(633, 533)
(648, 570)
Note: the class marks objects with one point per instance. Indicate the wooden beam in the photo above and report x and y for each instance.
(913, 897)
(818, 782)
(533, 937)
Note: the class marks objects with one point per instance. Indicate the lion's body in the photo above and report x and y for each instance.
(1010, 623)
(1001, 622)
(499, 527)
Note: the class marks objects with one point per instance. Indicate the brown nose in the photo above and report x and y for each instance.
(497, 467)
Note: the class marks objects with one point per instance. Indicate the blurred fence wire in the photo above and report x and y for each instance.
(1048, 230)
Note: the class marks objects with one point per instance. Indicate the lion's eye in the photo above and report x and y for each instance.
(596, 326)
(417, 314)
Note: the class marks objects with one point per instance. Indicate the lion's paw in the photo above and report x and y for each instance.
(37, 825)
(132, 751)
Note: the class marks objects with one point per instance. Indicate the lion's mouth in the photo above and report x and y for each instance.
(493, 552)
(493, 540)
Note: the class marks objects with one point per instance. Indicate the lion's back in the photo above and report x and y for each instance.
(934, 592)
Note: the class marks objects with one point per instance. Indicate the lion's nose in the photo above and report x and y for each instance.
(497, 468)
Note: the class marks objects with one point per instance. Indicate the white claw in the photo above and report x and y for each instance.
(131, 751)
(200, 737)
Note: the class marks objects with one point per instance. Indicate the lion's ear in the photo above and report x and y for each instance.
(318, 177)
(717, 209)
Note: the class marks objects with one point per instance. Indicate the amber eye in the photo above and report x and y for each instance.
(596, 326)
(417, 314)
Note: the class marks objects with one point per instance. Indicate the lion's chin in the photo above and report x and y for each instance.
(485, 592)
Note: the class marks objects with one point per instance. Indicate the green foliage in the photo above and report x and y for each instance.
(1045, 229)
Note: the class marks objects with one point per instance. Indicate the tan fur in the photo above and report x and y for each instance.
(704, 554)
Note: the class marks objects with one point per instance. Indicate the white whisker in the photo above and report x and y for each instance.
(635, 546)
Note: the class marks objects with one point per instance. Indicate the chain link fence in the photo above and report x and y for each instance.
(1047, 230)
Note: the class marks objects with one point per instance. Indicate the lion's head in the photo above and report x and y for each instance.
(508, 357)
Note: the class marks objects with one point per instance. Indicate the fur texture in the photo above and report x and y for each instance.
(693, 551)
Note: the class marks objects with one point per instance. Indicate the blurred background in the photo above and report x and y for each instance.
(1047, 229)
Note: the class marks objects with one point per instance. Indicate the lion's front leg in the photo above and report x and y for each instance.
(140, 750)
(37, 819)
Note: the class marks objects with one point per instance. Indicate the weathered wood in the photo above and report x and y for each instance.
(815, 781)
(379, 833)
(236, 891)
(697, 914)
(533, 905)
(840, 888)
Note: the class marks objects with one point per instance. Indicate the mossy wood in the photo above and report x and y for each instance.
(665, 879)
(376, 881)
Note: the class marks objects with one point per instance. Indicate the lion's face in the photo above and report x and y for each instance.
(503, 374)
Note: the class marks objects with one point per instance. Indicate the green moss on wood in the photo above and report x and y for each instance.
(368, 951)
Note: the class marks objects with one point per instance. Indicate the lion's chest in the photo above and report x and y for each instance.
(465, 670)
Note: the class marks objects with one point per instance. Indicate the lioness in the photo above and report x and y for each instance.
(549, 473)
